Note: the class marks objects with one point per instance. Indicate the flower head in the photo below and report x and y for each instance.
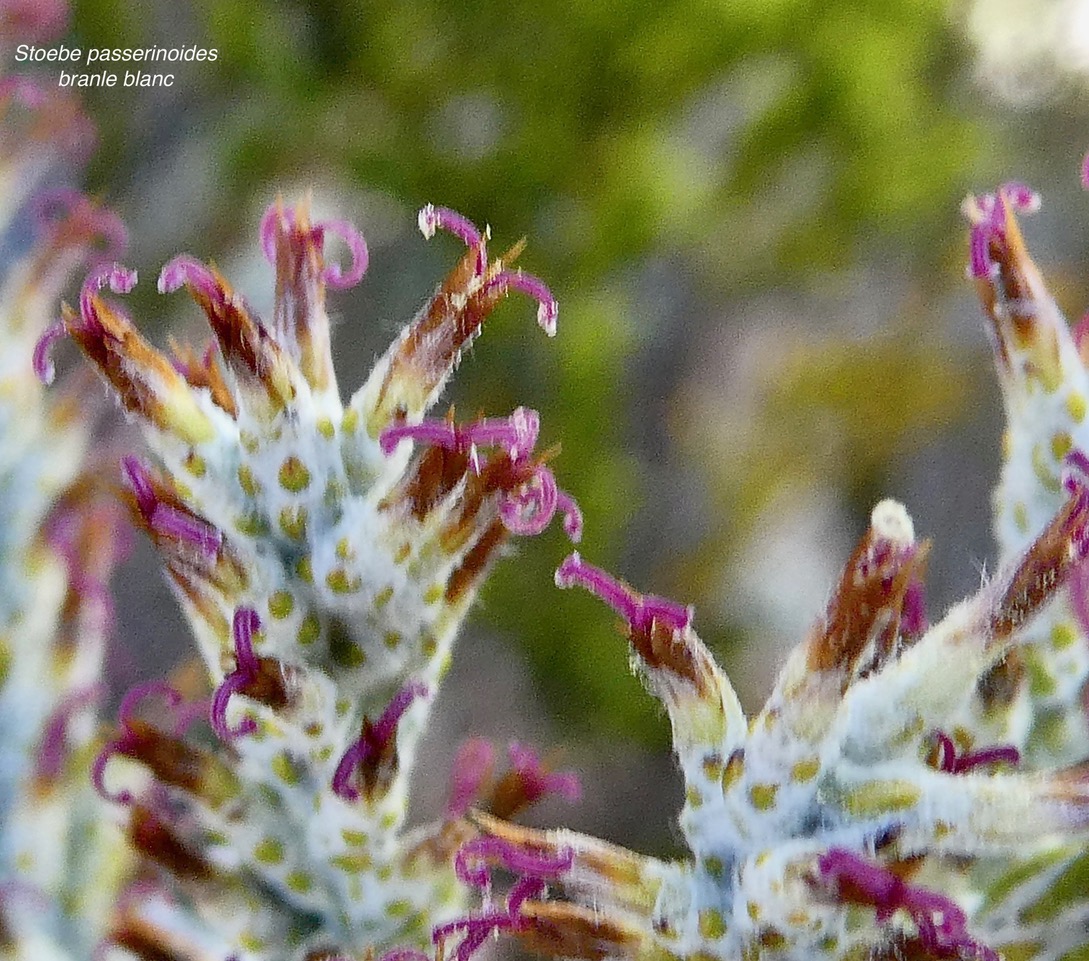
(908, 789)
(326, 554)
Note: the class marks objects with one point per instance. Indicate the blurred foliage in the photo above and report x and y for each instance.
(754, 140)
(826, 412)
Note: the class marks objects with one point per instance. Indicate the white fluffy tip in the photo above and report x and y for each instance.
(890, 521)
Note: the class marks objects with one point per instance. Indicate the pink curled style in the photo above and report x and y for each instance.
(44, 369)
(547, 308)
(435, 432)
(357, 247)
(432, 218)
(517, 433)
(860, 881)
(529, 509)
(270, 227)
(278, 219)
(1020, 196)
(472, 864)
(534, 868)
(115, 276)
(475, 930)
(572, 515)
(122, 744)
(51, 751)
(524, 889)
(245, 624)
(979, 258)
(357, 753)
(233, 683)
(987, 214)
(638, 610)
(952, 763)
(186, 271)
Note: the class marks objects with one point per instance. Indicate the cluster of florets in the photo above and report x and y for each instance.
(909, 790)
(326, 554)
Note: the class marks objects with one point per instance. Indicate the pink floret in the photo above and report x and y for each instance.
(374, 739)
(472, 767)
(537, 781)
(279, 219)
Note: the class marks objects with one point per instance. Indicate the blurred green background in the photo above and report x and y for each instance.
(748, 212)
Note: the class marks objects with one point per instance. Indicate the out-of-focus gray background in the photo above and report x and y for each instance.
(748, 212)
